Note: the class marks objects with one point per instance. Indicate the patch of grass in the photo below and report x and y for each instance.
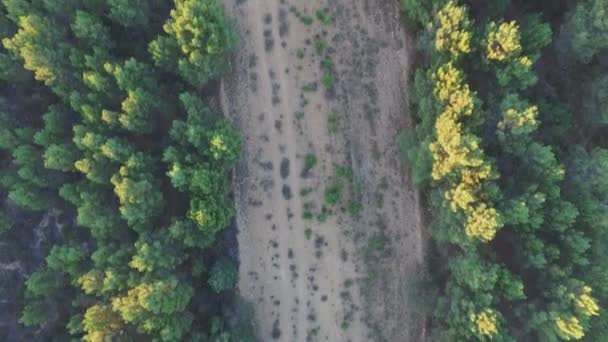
(300, 54)
(320, 45)
(308, 233)
(344, 325)
(374, 244)
(307, 20)
(354, 208)
(305, 192)
(321, 217)
(310, 87)
(328, 80)
(310, 160)
(345, 172)
(333, 193)
(332, 122)
(327, 63)
(299, 115)
(324, 17)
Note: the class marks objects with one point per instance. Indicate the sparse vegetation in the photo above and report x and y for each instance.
(310, 160)
(333, 193)
(332, 122)
(323, 17)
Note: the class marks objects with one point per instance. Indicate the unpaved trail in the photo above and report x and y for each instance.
(330, 274)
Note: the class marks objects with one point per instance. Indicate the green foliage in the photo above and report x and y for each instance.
(328, 80)
(42, 282)
(32, 44)
(33, 313)
(67, 258)
(586, 29)
(310, 160)
(110, 100)
(224, 275)
(61, 157)
(130, 13)
(539, 278)
(153, 254)
(157, 306)
(199, 37)
(138, 193)
(323, 17)
(90, 29)
(333, 193)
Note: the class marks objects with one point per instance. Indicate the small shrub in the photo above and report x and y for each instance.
(307, 20)
(310, 87)
(354, 208)
(345, 172)
(305, 192)
(375, 244)
(310, 160)
(333, 193)
(320, 45)
(308, 233)
(324, 17)
(327, 63)
(328, 80)
(332, 122)
(321, 217)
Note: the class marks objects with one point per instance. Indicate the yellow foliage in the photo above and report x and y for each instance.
(91, 282)
(569, 328)
(448, 80)
(218, 143)
(484, 323)
(457, 152)
(461, 197)
(586, 303)
(199, 217)
(520, 120)
(503, 42)
(453, 35)
(100, 323)
(83, 165)
(482, 222)
(525, 61)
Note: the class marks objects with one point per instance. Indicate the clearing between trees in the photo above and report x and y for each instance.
(329, 226)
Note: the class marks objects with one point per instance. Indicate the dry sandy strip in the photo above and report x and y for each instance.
(344, 278)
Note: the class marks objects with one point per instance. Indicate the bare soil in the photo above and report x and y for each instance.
(339, 276)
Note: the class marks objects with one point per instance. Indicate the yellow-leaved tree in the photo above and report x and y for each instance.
(458, 158)
(453, 35)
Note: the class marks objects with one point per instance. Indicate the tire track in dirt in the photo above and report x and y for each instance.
(317, 287)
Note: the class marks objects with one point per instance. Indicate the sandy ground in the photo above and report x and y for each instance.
(342, 277)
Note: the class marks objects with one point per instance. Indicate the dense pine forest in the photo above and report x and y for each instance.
(511, 150)
(116, 168)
